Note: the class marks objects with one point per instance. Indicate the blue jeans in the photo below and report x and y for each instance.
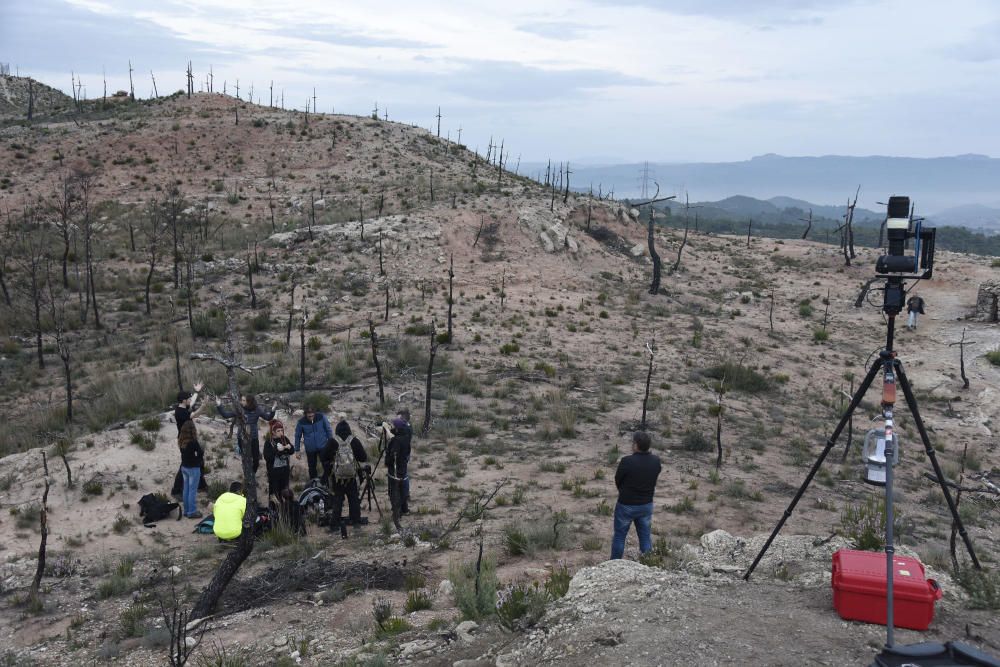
(625, 515)
(191, 477)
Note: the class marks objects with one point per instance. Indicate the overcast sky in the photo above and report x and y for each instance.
(584, 80)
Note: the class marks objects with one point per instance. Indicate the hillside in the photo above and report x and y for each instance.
(347, 225)
(15, 92)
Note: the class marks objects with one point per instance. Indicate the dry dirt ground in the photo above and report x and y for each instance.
(550, 412)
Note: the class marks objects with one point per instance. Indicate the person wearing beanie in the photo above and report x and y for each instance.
(182, 414)
(346, 455)
(277, 451)
(397, 460)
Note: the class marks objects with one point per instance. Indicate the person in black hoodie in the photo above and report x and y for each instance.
(636, 481)
(347, 455)
(192, 460)
(277, 450)
(397, 460)
(182, 413)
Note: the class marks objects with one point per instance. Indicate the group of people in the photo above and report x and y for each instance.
(338, 450)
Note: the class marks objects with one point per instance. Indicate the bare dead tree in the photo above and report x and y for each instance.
(373, 338)
(503, 287)
(381, 266)
(154, 230)
(770, 311)
(566, 191)
(312, 214)
(749, 228)
(232, 362)
(131, 88)
(6, 246)
(361, 216)
(720, 390)
(500, 164)
(291, 309)
(190, 81)
(152, 76)
(31, 264)
(590, 205)
(63, 347)
(386, 318)
(432, 185)
(270, 205)
(430, 375)
(451, 292)
(809, 224)
(302, 348)
(43, 523)
(677, 263)
(953, 539)
(654, 286)
(175, 619)
(651, 351)
(961, 356)
(87, 227)
(63, 205)
(253, 292)
(439, 123)
(482, 222)
(31, 98)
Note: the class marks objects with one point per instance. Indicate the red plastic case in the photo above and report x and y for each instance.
(859, 584)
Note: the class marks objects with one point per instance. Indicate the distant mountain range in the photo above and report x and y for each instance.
(962, 190)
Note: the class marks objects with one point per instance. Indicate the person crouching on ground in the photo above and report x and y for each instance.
(636, 481)
(229, 510)
(277, 450)
(192, 459)
(347, 454)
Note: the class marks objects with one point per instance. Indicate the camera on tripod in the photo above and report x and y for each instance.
(901, 226)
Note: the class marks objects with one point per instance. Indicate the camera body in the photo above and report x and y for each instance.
(900, 228)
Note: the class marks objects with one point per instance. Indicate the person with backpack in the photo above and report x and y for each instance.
(313, 430)
(277, 451)
(346, 454)
(182, 413)
(636, 481)
(914, 305)
(192, 460)
(252, 414)
(229, 510)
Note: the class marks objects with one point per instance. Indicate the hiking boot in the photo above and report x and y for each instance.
(404, 510)
(195, 515)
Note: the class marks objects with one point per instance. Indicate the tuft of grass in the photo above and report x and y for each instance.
(122, 524)
(693, 441)
(418, 600)
(131, 620)
(993, 356)
(740, 378)
(93, 487)
(474, 606)
(150, 424)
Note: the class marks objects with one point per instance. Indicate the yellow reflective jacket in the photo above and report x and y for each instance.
(229, 510)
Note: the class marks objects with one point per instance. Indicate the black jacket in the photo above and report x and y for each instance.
(271, 454)
(397, 452)
(915, 304)
(329, 454)
(192, 456)
(636, 478)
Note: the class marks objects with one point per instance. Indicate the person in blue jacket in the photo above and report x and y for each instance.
(313, 429)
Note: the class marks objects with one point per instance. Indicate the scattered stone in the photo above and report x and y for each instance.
(465, 629)
(411, 649)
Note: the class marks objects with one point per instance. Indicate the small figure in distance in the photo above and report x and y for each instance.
(277, 451)
(347, 455)
(914, 305)
(182, 413)
(252, 414)
(192, 460)
(636, 481)
(229, 510)
(313, 429)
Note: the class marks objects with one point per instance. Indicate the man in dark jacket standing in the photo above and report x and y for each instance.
(182, 413)
(347, 456)
(636, 481)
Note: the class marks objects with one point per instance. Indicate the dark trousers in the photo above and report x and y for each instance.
(340, 489)
(313, 459)
(397, 498)
(179, 483)
(278, 480)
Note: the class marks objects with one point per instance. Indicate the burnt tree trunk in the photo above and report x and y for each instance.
(302, 350)
(43, 521)
(961, 357)
(451, 285)
(213, 591)
(381, 266)
(651, 348)
(654, 286)
(430, 374)
(373, 337)
(291, 309)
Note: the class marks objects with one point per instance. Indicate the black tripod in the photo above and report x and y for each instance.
(892, 369)
(368, 474)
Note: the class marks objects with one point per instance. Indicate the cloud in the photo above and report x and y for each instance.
(558, 30)
(501, 82)
(56, 36)
(983, 47)
(338, 37)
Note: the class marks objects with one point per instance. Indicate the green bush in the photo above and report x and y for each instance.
(463, 578)
(557, 583)
(805, 308)
(694, 441)
(982, 586)
(740, 378)
(821, 335)
(520, 605)
(131, 620)
(993, 356)
(864, 524)
(509, 348)
(208, 325)
(150, 424)
(417, 600)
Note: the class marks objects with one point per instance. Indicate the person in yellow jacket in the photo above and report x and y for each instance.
(229, 510)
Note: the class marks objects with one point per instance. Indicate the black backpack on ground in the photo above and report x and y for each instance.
(153, 508)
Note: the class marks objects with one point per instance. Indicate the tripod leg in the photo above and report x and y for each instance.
(911, 402)
(855, 400)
